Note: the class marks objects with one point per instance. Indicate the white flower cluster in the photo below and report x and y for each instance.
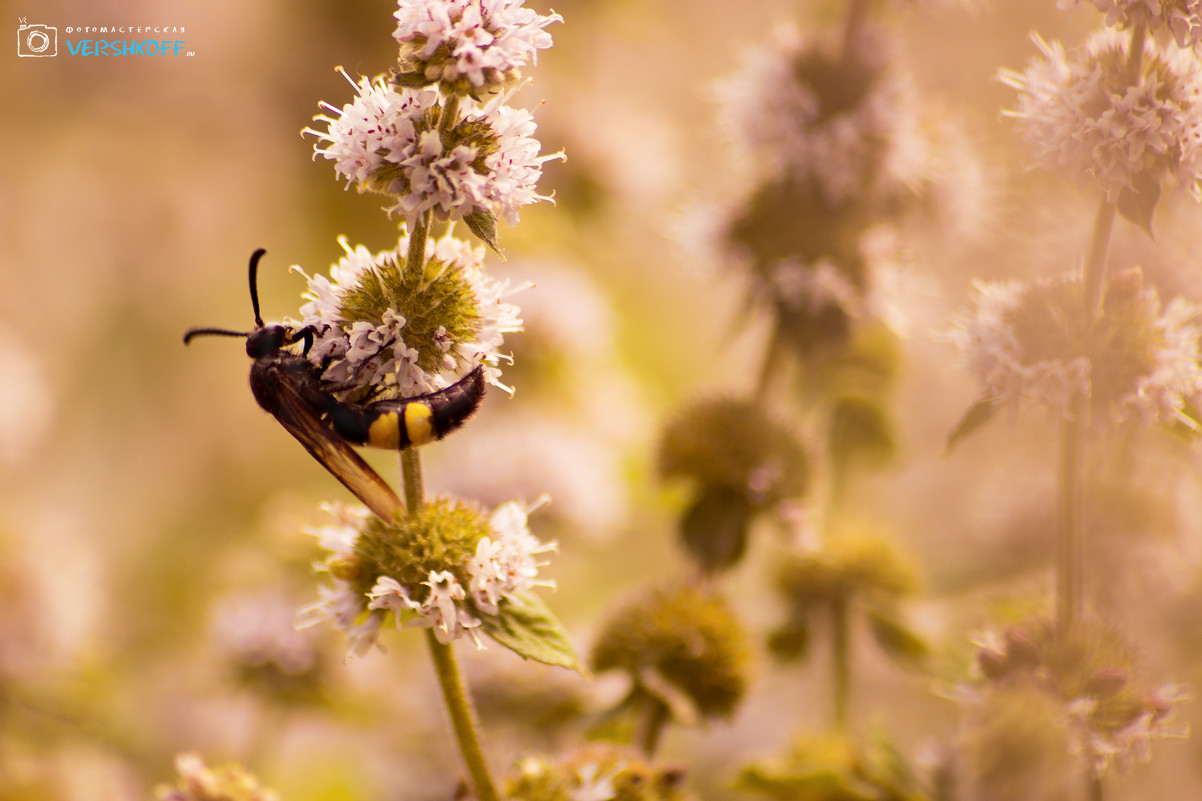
(256, 630)
(1007, 377)
(482, 40)
(1127, 745)
(504, 566)
(1180, 18)
(362, 353)
(388, 140)
(1176, 375)
(1079, 114)
(994, 357)
(846, 144)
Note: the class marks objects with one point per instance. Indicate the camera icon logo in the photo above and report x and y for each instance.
(34, 41)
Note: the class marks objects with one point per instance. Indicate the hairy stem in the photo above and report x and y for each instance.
(772, 372)
(1070, 556)
(654, 721)
(463, 719)
(840, 662)
(1095, 262)
(411, 475)
(1070, 552)
(411, 463)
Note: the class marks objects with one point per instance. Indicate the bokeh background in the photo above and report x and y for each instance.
(151, 516)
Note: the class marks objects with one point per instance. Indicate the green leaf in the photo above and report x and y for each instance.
(896, 639)
(977, 416)
(484, 225)
(1137, 202)
(791, 642)
(531, 631)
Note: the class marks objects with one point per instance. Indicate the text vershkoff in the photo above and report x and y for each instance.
(42, 40)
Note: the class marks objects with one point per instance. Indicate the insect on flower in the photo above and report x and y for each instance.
(293, 389)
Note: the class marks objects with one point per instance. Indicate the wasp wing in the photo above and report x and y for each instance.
(332, 452)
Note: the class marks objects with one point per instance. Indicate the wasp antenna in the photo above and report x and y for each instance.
(254, 285)
(216, 332)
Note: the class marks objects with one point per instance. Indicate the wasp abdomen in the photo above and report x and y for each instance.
(399, 424)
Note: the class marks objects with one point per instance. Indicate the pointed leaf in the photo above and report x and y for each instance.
(791, 642)
(1137, 202)
(484, 225)
(977, 415)
(861, 429)
(896, 639)
(531, 631)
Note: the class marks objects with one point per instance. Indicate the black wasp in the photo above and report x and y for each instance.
(294, 391)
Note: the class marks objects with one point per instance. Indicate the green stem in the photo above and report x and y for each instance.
(1095, 262)
(411, 464)
(653, 726)
(772, 370)
(463, 719)
(415, 259)
(454, 692)
(840, 662)
(1070, 562)
(450, 114)
(411, 476)
(1135, 53)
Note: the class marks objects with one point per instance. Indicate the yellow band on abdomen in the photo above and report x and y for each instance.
(418, 425)
(385, 432)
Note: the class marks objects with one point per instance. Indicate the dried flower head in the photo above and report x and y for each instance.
(1182, 19)
(1088, 675)
(736, 445)
(857, 568)
(1030, 344)
(442, 568)
(835, 767)
(468, 47)
(381, 324)
(393, 141)
(681, 646)
(1082, 115)
(595, 773)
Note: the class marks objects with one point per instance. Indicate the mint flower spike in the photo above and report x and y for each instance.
(1025, 345)
(390, 140)
(1080, 116)
(848, 123)
(448, 568)
(1181, 19)
(468, 47)
(380, 327)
